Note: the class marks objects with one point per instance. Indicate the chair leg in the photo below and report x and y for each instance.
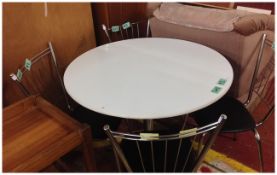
(88, 149)
(117, 161)
(259, 144)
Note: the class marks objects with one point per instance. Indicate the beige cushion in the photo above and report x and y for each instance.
(198, 17)
(252, 23)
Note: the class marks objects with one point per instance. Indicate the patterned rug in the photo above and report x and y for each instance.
(217, 162)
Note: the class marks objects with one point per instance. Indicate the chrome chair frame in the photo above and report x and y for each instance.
(48, 51)
(254, 84)
(257, 66)
(119, 155)
(258, 87)
(253, 89)
(122, 31)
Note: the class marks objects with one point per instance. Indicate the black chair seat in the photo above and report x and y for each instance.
(238, 117)
(96, 121)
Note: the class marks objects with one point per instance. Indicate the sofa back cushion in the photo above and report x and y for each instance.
(252, 23)
(199, 17)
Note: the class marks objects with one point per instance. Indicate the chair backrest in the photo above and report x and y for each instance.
(256, 78)
(264, 93)
(262, 84)
(152, 152)
(39, 75)
(127, 30)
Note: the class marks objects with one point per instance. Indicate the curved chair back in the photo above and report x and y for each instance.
(39, 74)
(264, 92)
(127, 30)
(256, 77)
(153, 152)
(262, 84)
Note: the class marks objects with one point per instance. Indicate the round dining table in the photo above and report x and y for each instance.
(148, 78)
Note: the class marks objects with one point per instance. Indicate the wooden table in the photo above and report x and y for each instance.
(36, 134)
(148, 78)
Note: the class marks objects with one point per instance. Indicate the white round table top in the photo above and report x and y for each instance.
(148, 78)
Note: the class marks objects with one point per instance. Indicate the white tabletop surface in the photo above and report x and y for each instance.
(147, 78)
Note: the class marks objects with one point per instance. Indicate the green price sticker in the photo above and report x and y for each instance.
(115, 28)
(126, 25)
(28, 64)
(216, 90)
(221, 81)
(19, 75)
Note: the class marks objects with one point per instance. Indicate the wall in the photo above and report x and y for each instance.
(26, 31)
(259, 5)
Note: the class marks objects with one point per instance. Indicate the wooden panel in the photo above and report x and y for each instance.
(26, 31)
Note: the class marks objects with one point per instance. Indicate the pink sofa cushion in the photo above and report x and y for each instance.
(199, 17)
(252, 23)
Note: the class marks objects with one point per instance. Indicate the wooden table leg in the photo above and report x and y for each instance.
(88, 153)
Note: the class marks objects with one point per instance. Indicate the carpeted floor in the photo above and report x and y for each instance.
(244, 149)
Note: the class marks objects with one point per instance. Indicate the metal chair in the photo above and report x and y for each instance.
(36, 76)
(127, 30)
(163, 152)
(239, 117)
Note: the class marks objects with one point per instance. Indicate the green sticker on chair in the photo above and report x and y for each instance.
(216, 90)
(115, 28)
(273, 45)
(19, 75)
(221, 81)
(126, 25)
(149, 136)
(28, 64)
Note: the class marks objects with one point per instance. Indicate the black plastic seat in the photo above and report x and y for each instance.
(239, 119)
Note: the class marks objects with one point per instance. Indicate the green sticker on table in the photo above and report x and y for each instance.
(28, 64)
(126, 25)
(216, 89)
(115, 28)
(19, 75)
(221, 81)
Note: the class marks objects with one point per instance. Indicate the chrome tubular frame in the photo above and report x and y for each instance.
(264, 41)
(34, 60)
(214, 127)
(135, 30)
(53, 56)
(258, 62)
